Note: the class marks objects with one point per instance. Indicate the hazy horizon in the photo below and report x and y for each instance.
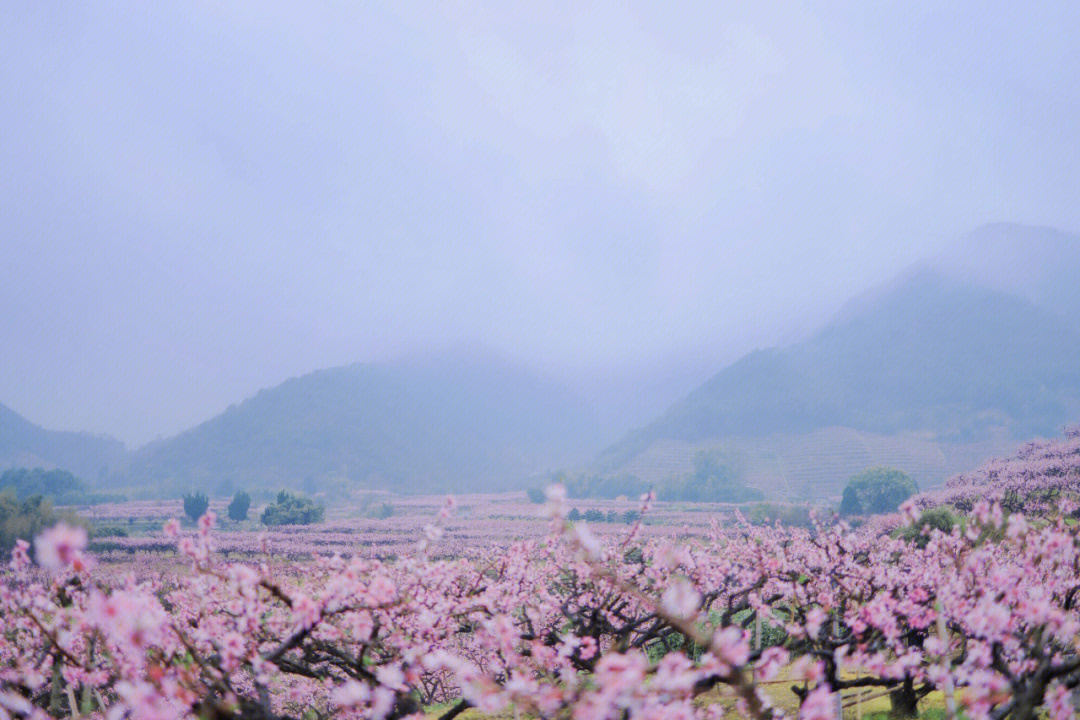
(202, 200)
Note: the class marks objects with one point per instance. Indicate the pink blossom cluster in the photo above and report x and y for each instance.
(570, 624)
(481, 522)
(1039, 474)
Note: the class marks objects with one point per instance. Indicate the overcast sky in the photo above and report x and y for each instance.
(201, 199)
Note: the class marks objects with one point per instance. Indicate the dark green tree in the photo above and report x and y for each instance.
(22, 519)
(937, 518)
(60, 485)
(195, 504)
(849, 504)
(877, 490)
(238, 508)
(717, 477)
(292, 510)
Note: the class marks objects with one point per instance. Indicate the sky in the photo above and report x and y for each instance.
(201, 199)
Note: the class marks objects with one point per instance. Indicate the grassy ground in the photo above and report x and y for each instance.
(873, 706)
(932, 707)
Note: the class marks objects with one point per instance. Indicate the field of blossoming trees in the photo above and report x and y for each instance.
(492, 607)
(479, 522)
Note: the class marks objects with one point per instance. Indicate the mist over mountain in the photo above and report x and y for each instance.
(1040, 264)
(954, 360)
(931, 354)
(926, 368)
(436, 422)
(1035, 263)
(24, 444)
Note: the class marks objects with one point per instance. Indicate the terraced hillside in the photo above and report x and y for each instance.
(819, 463)
(24, 444)
(926, 373)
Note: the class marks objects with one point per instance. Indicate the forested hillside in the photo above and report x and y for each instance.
(926, 358)
(429, 423)
(24, 444)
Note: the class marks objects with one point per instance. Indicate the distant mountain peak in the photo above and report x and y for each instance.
(421, 422)
(23, 443)
(1040, 264)
(930, 354)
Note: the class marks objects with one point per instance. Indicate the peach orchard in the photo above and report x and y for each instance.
(572, 625)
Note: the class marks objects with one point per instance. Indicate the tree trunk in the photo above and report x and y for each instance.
(903, 701)
(56, 687)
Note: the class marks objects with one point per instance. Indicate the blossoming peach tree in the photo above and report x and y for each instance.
(570, 627)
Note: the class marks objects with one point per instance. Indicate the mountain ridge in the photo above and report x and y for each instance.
(478, 416)
(428, 422)
(924, 353)
(1036, 262)
(25, 444)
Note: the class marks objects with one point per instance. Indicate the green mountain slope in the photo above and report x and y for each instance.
(24, 444)
(926, 355)
(431, 423)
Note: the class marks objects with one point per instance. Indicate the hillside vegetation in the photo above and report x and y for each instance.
(24, 444)
(424, 424)
(927, 356)
(928, 373)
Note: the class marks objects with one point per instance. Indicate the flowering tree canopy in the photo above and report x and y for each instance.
(574, 626)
